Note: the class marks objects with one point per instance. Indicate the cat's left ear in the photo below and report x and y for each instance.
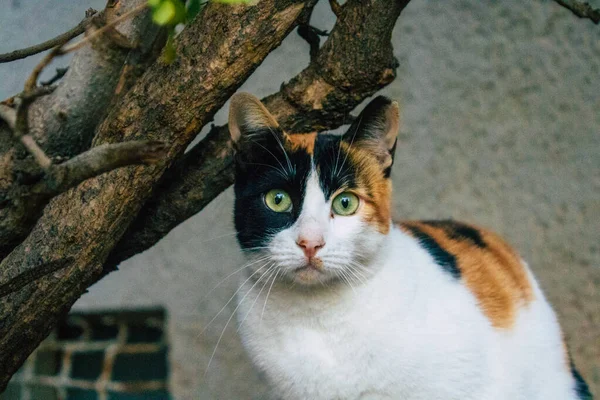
(376, 129)
(247, 116)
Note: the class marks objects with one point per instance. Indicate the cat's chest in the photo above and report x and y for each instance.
(338, 352)
(381, 341)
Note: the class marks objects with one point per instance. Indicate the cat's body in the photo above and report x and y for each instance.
(412, 331)
(343, 304)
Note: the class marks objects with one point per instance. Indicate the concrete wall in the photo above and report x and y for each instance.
(501, 126)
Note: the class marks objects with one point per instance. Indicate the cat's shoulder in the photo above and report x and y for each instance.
(480, 259)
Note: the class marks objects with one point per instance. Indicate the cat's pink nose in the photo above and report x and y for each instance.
(310, 246)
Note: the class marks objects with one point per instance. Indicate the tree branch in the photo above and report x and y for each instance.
(319, 98)
(99, 160)
(57, 41)
(169, 103)
(581, 9)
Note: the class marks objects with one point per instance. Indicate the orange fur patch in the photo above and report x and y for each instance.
(305, 141)
(373, 187)
(490, 268)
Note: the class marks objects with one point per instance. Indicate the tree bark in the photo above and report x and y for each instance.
(169, 103)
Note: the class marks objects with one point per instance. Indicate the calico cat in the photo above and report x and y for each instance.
(342, 303)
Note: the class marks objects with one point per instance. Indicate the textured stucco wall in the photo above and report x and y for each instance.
(501, 126)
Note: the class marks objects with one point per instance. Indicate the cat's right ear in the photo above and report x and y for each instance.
(248, 117)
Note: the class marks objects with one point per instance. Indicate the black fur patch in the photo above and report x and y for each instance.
(262, 165)
(335, 170)
(444, 259)
(388, 171)
(581, 388)
(459, 231)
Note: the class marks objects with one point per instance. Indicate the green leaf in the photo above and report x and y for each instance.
(164, 13)
(168, 12)
(154, 3)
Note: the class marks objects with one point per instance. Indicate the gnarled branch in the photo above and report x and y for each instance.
(96, 161)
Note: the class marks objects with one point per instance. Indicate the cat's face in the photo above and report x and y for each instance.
(313, 208)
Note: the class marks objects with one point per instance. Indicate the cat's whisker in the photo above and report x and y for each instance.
(214, 238)
(342, 274)
(276, 159)
(353, 273)
(231, 298)
(283, 175)
(292, 170)
(270, 272)
(248, 265)
(268, 293)
(351, 142)
(359, 269)
(227, 323)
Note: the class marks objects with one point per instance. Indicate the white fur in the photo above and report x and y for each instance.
(406, 330)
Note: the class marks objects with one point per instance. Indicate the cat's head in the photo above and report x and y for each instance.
(316, 207)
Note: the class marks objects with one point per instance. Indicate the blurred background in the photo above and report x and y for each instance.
(501, 127)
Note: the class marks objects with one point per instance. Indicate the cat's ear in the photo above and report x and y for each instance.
(247, 115)
(376, 129)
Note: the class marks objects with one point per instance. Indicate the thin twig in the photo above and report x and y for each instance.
(98, 160)
(57, 41)
(581, 9)
(31, 82)
(100, 31)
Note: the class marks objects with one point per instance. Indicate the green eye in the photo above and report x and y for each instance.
(278, 200)
(345, 203)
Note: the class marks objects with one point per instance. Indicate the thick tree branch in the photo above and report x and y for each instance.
(355, 62)
(57, 41)
(168, 103)
(582, 9)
